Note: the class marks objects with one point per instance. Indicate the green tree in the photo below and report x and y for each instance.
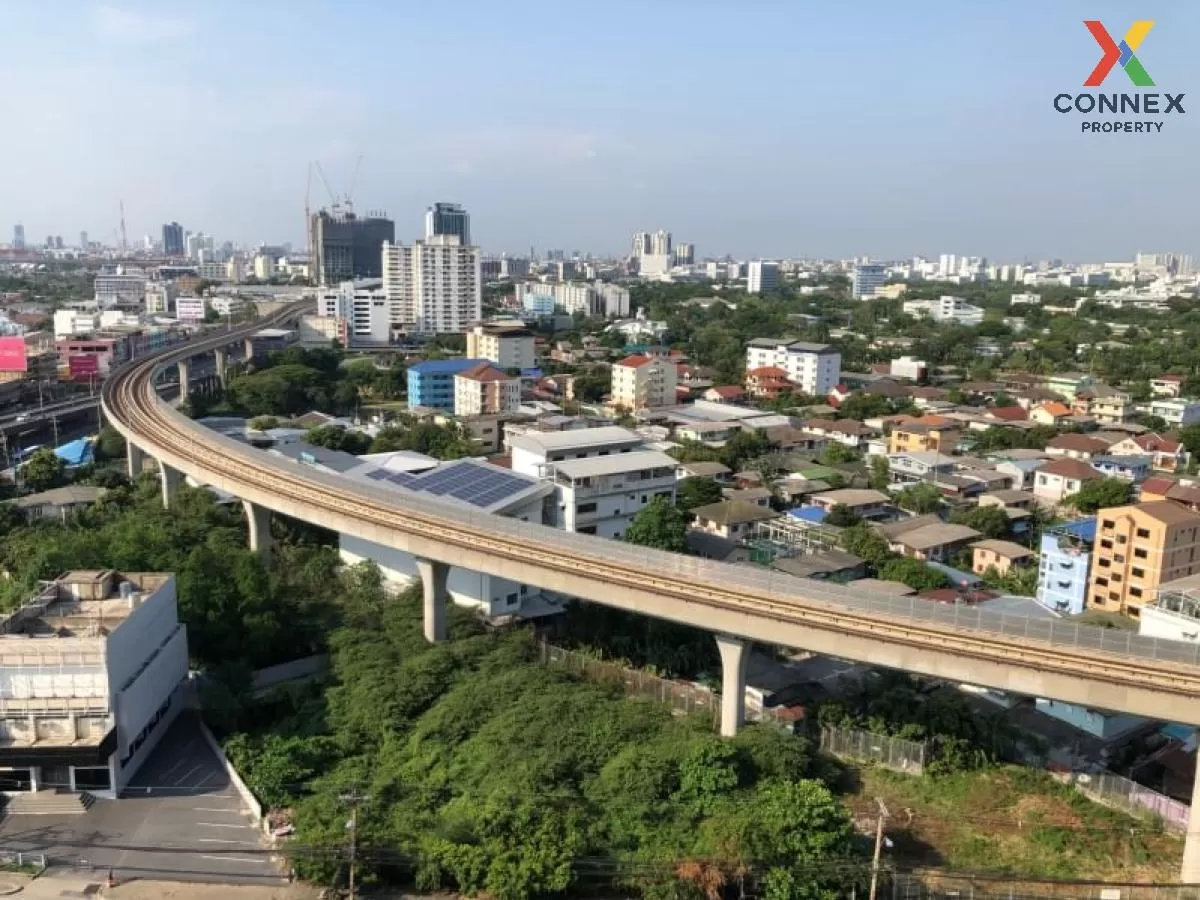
(338, 437)
(836, 454)
(842, 516)
(110, 444)
(914, 573)
(590, 387)
(990, 521)
(1101, 493)
(659, 524)
(697, 491)
(879, 477)
(920, 498)
(44, 470)
(866, 543)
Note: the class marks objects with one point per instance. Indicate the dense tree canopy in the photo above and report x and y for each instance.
(1101, 494)
(589, 778)
(659, 524)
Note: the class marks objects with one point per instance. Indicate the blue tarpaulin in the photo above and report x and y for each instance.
(76, 453)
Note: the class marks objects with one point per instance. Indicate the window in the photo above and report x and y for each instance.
(1138, 573)
(1108, 523)
(1135, 592)
(1106, 544)
(1102, 582)
(587, 529)
(585, 508)
(1139, 553)
(1143, 532)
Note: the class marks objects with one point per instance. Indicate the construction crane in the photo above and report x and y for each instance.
(335, 206)
(353, 182)
(308, 213)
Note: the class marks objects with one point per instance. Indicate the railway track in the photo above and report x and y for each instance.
(133, 406)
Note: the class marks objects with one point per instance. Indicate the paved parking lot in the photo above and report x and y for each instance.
(179, 819)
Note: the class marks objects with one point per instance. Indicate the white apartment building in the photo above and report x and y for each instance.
(70, 322)
(946, 309)
(264, 267)
(363, 306)
(91, 676)
(434, 286)
(1175, 411)
(213, 271)
(868, 279)
(642, 382)
(602, 476)
(762, 276)
(160, 297)
(509, 347)
(120, 287)
(909, 367)
(190, 309)
(484, 390)
(815, 369)
(597, 299)
(1025, 299)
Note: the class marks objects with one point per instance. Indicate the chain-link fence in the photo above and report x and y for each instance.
(891, 752)
(938, 886)
(1133, 798)
(681, 696)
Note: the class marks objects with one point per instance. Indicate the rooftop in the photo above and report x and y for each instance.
(445, 366)
(576, 439)
(733, 512)
(1007, 549)
(615, 465)
(474, 482)
(852, 497)
(704, 469)
(89, 603)
(1069, 468)
(929, 536)
(63, 496)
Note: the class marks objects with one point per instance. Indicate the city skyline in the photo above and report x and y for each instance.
(823, 137)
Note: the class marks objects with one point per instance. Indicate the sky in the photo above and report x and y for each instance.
(750, 127)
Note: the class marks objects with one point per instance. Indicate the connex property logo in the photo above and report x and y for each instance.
(1115, 108)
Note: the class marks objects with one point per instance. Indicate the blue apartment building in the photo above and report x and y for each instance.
(431, 383)
(1066, 558)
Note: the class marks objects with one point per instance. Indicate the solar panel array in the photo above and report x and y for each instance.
(479, 485)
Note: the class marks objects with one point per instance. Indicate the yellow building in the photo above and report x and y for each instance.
(641, 382)
(1139, 547)
(926, 434)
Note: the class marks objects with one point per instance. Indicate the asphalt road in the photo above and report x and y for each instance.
(180, 819)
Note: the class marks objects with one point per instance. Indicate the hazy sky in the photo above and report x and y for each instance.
(751, 127)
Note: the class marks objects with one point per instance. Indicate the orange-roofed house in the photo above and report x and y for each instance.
(485, 390)
(926, 434)
(767, 382)
(725, 393)
(643, 382)
(1050, 413)
(1006, 414)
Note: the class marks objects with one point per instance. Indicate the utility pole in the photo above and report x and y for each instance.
(883, 814)
(354, 798)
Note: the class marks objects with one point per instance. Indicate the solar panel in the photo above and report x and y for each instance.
(378, 474)
(479, 485)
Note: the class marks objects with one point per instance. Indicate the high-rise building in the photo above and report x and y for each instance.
(346, 247)
(685, 254)
(18, 237)
(434, 286)
(58, 242)
(868, 279)
(660, 243)
(448, 218)
(762, 276)
(641, 382)
(641, 243)
(172, 239)
(83, 240)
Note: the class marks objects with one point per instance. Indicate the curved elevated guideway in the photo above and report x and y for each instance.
(1034, 657)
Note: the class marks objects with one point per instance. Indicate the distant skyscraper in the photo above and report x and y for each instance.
(685, 254)
(641, 243)
(346, 246)
(83, 240)
(660, 243)
(18, 237)
(448, 218)
(762, 276)
(172, 240)
(867, 280)
(58, 242)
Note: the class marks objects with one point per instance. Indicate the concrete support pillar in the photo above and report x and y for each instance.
(1190, 873)
(222, 364)
(259, 520)
(171, 479)
(184, 372)
(735, 653)
(433, 578)
(135, 459)
(249, 349)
